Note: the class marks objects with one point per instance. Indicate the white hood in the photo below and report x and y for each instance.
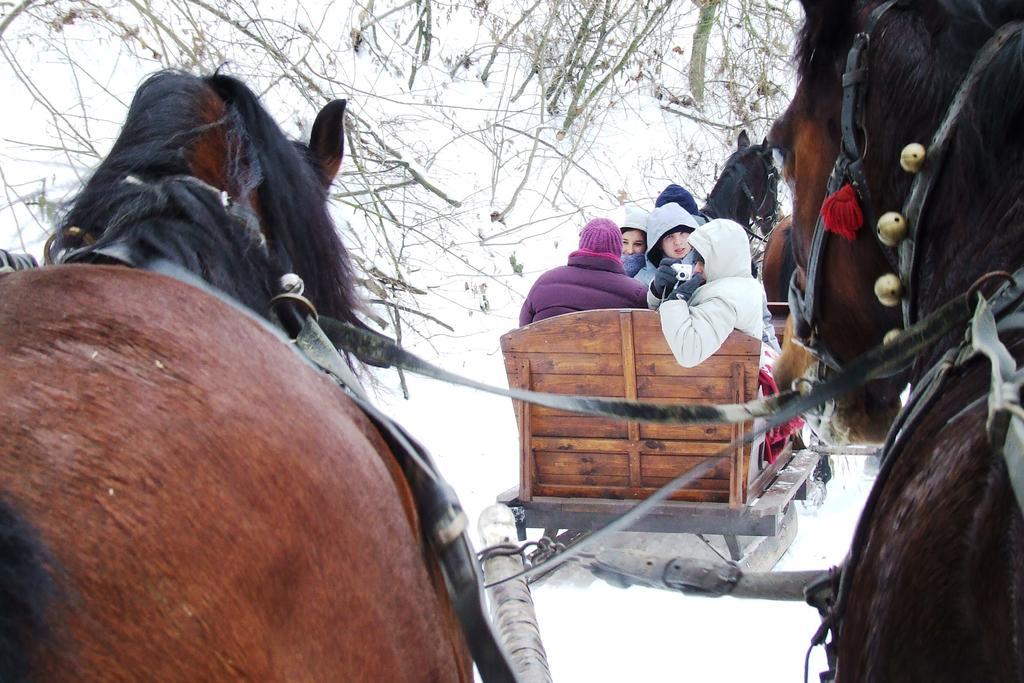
(723, 245)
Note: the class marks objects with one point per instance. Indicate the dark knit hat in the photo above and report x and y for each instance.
(678, 195)
(601, 236)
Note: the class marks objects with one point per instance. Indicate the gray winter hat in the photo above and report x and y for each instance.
(636, 219)
(663, 220)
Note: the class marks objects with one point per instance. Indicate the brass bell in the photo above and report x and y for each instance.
(912, 157)
(73, 231)
(889, 289)
(892, 228)
(891, 336)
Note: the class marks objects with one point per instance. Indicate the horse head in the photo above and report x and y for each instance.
(200, 175)
(747, 189)
(901, 65)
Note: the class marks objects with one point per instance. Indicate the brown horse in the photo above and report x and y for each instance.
(933, 589)
(182, 496)
(777, 264)
(861, 416)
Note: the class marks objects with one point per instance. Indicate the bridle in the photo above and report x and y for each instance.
(895, 232)
(762, 214)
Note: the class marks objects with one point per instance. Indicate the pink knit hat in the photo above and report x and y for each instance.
(601, 236)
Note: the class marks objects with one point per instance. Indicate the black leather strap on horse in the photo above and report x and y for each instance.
(924, 180)
(849, 167)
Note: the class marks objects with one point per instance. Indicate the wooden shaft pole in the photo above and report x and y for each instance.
(511, 604)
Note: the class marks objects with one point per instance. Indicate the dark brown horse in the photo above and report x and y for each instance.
(182, 496)
(747, 188)
(934, 586)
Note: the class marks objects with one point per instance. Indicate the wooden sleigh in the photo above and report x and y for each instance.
(579, 472)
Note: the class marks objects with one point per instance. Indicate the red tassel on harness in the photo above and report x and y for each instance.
(842, 214)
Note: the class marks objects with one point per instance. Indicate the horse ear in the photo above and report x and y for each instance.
(327, 140)
(743, 141)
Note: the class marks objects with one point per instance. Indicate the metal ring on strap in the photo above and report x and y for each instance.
(295, 298)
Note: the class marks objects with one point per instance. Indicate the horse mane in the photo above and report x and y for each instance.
(26, 592)
(142, 200)
(727, 184)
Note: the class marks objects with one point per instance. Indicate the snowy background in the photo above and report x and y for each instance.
(482, 136)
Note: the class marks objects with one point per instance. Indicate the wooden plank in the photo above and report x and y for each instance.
(716, 388)
(579, 385)
(584, 480)
(526, 467)
(585, 332)
(571, 425)
(667, 366)
(719, 485)
(629, 385)
(615, 493)
(613, 464)
(789, 481)
(767, 475)
(671, 466)
(578, 445)
(738, 475)
(690, 448)
(720, 433)
(575, 363)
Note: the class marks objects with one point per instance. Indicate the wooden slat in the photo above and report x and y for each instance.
(575, 363)
(570, 425)
(630, 387)
(579, 385)
(717, 388)
(667, 366)
(719, 485)
(602, 480)
(721, 433)
(578, 445)
(615, 464)
(670, 466)
(691, 448)
(738, 476)
(587, 332)
(615, 493)
(526, 465)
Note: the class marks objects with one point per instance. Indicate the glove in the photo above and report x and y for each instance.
(686, 290)
(664, 278)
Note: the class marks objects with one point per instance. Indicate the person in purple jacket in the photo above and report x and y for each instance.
(592, 279)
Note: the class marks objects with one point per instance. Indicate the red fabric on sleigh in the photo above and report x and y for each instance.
(775, 439)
